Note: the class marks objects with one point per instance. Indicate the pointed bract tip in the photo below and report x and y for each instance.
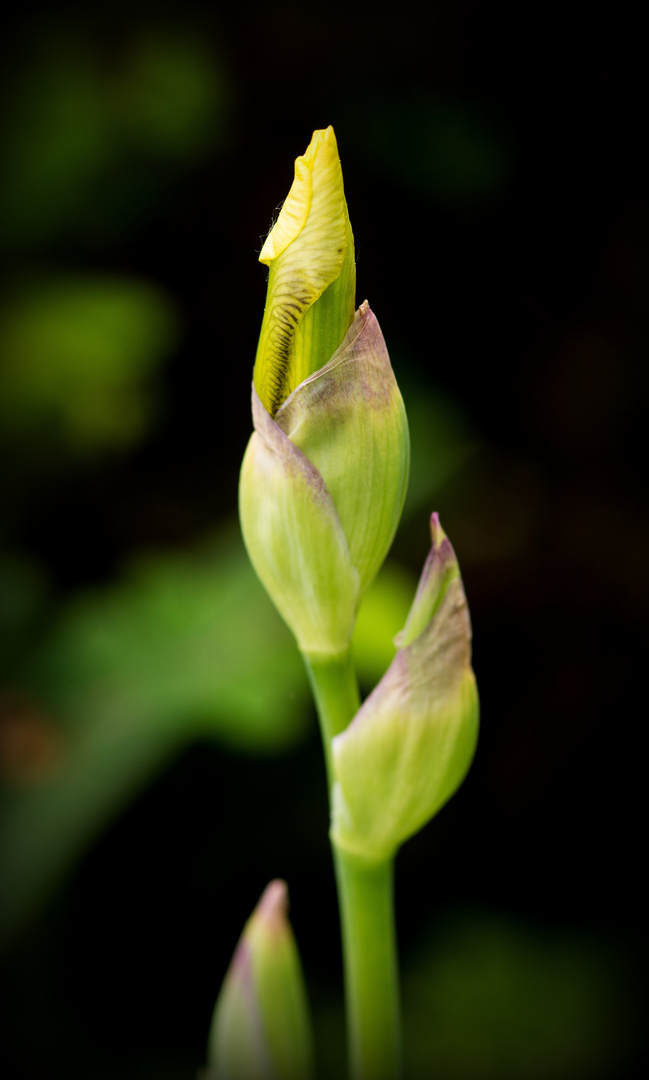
(272, 908)
(440, 569)
(442, 547)
(261, 1027)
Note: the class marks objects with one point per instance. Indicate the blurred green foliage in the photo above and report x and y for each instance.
(490, 998)
(127, 675)
(87, 126)
(97, 690)
(382, 614)
(77, 357)
(172, 95)
(447, 148)
(130, 673)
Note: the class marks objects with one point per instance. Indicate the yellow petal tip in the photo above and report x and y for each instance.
(295, 210)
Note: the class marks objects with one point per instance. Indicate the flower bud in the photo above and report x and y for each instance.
(261, 1028)
(323, 485)
(324, 477)
(410, 745)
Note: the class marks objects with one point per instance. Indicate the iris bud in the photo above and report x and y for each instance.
(324, 476)
(261, 1028)
(410, 745)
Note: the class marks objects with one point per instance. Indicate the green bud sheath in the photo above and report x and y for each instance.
(295, 540)
(322, 488)
(261, 1028)
(350, 421)
(410, 745)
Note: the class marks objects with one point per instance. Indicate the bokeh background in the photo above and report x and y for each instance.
(158, 750)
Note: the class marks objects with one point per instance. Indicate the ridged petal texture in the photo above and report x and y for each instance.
(310, 252)
(410, 745)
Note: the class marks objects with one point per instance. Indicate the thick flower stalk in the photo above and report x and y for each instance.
(324, 477)
(261, 1028)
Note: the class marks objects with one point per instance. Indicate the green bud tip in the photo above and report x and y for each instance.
(261, 1027)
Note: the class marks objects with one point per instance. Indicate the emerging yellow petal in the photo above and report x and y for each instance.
(309, 248)
(293, 215)
(261, 1027)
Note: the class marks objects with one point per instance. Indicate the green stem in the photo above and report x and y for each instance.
(366, 899)
(335, 690)
(366, 903)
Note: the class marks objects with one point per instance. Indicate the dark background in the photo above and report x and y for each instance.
(492, 165)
